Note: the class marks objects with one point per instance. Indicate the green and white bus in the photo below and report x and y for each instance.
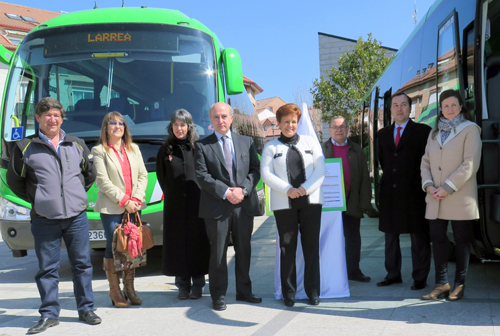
(455, 46)
(144, 63)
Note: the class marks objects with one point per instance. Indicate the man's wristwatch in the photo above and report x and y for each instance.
(245, 191)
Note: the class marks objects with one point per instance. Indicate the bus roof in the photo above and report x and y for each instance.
(125, 15)
(403, 46)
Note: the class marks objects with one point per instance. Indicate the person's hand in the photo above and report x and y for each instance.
(440, 194)
(293, 193)
(302, 191)
(132, 207)
(235, 195)
(431, 190)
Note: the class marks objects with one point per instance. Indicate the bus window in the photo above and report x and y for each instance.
(19, 102)
(447, 55)
(491, 36)
(468, 62)
(413, 77)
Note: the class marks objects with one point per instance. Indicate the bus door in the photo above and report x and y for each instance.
(487, 101)
(381, 119)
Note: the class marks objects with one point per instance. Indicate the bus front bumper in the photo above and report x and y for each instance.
(17, 235)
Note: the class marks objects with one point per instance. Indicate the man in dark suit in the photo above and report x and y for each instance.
(400, 148)
(357, 188)
(228, 169)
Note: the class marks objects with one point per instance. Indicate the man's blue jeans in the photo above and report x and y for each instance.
(48, 234)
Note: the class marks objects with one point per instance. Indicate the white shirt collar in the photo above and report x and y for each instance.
(219, 136)
(337, 144)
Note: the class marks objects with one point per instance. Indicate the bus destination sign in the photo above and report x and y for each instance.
(110, 41)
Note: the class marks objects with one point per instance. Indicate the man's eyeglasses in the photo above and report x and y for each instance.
(343, 127)
(114, 123)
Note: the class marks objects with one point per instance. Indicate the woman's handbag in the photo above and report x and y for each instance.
(144, 231)
(124, 260)
(121, 237)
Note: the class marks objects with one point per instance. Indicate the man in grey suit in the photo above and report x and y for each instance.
(228, 169)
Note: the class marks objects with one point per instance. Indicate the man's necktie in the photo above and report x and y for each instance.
(398, 136)
(228, 158)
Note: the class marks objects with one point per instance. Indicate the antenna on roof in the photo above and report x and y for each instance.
(415, 14)
(95, 6)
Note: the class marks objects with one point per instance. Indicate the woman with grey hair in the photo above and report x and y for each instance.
(186, 249)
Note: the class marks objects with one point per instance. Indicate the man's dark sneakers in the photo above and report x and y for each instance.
(43, 324)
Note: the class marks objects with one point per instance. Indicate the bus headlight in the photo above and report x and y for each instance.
(12, 211)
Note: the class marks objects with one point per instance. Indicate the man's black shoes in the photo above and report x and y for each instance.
(90, 318)
(418, 285)
(219, 304)
(314, 301)
(251, 298)
(360, 278)
(388, 282)
(43, 324)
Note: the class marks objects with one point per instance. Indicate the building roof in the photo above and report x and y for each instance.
(262, 103)
(266, 114)
(254, 86)
(22, 24)
(351, 40)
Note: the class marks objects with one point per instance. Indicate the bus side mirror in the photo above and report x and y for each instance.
(233, 71)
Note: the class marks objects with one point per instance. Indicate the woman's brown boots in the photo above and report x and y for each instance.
(113, 276)
(128, 288)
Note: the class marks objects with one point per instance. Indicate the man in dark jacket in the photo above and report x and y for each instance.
(228, 169)
(357, 189)
(400, 148)
(52, 171)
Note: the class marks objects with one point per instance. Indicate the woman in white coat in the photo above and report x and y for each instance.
(293, 167)
(449, 166)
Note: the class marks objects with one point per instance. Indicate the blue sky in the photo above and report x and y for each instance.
(278, 40)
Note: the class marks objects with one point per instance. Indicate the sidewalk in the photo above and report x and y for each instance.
(393, 310)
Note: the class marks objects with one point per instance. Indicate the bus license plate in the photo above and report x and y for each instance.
(96, 235)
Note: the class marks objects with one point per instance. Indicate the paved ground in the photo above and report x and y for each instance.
(394, 310)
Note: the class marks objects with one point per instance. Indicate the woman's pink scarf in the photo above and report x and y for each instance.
(134, 239)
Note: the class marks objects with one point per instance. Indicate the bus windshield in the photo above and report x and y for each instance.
(143, 71)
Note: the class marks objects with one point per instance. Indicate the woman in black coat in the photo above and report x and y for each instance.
(186, 249)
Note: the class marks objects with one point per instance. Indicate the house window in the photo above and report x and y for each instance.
(28, 19)
(13, 16)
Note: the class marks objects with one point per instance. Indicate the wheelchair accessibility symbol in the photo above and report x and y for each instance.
(17, 133)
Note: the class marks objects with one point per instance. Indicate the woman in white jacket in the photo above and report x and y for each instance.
(449, 166)
(293, 167)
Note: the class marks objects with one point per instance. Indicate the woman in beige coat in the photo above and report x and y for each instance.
(122, 179)
(448, 169)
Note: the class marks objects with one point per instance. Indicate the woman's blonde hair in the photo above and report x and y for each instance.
(126, 138)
